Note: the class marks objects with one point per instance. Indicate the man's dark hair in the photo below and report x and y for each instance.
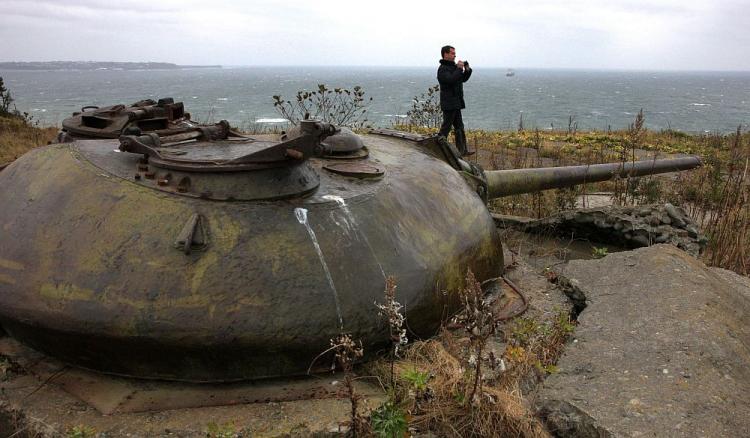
(445, 50)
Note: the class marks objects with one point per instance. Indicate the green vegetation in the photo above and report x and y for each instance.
(5, 368)
(389, 420)
(599, 252)
(80, 431)
(226, 430)
(5, 100)
(417, 380)
(425, 109)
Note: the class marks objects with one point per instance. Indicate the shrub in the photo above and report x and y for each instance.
(389, 420)
(5, 100)
(340, 106)
(425, 109)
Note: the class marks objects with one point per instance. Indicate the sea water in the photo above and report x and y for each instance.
(545, 99)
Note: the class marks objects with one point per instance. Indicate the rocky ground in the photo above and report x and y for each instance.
(627, 227)
(662, 348)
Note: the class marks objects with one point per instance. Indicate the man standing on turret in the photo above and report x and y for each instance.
(451, 75)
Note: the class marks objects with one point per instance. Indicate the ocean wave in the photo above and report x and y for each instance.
(271, 120)
(400, 116)
(222, 98)
(701, 104)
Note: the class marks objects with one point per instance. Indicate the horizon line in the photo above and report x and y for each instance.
(604, 69)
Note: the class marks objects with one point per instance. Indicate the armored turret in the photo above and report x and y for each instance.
(207, 256)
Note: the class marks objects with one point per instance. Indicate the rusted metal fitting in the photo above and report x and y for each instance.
(162, 182)
(150, 175)
(295, 154)
(183, 185)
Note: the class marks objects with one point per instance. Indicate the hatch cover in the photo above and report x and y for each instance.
(356, 170)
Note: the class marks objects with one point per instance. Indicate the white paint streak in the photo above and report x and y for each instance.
(352, 224)
(301, 214)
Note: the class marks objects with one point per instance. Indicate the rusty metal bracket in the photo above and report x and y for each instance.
(141, 144)
(193, 236)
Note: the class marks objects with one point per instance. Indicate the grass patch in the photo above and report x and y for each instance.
(17, 136)
(80, 431)
(443, 406)
(460, 384)
(716, 196)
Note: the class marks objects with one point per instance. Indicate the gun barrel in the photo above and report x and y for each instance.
(514, 181)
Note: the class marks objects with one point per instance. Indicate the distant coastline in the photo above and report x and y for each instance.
(96, 65)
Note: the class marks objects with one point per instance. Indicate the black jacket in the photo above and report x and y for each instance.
(451, 79)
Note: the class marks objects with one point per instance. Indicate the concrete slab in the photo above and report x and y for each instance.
(45, 398)
(112, 394)
(662, 349)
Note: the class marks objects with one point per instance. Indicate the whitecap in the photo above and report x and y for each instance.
(701, 104)
(222, 98)
(271, 120)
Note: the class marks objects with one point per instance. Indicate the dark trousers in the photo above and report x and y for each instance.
(453, 118)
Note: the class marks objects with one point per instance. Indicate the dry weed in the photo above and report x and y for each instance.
(444, 409)
(18, 137)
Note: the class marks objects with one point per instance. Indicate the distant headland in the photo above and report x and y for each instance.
(96, 65)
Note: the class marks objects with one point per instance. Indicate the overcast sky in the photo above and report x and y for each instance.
(606, 34)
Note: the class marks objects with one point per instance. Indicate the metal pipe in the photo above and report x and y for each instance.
(514, 181)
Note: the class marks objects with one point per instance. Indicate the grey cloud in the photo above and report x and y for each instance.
(543, 33)
(39, 6)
